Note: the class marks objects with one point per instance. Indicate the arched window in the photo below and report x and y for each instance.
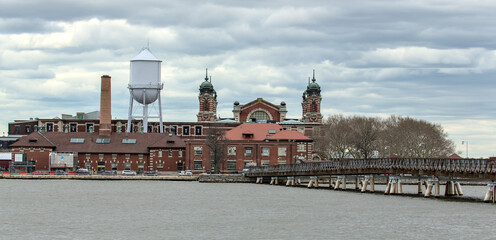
(313, 107)
(205, 105)
(260, 115)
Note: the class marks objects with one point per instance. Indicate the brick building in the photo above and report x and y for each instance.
(98, 142)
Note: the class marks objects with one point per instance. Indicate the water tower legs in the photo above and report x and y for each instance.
(130, 116)
(161, 130)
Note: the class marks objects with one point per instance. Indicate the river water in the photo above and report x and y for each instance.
(74, 209)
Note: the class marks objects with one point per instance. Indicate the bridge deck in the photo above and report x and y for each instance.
(453, 168)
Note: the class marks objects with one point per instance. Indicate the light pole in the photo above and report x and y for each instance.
(463, 142)
(389, 151)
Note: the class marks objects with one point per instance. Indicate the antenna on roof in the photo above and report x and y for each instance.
(210, 79)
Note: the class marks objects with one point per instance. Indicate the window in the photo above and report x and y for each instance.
(180, 153)
(248, 151)
(260, 115)
(173, 130)
(281, 151)
(198, 150)
(100, 156)
(314, 107)
(17, 129)
(127, 166)
(114, 156)
(141, 166)
(88, 155)
(265, 151)
(198, 130)
(231, 165)
(103, 140)
(170, 153)
(49, 127)
(77, 140)
(301, 147)
(272, 131)
(150, 129)
(160, 165)
(198, 165)
(140, 156)
(281, 162)
(114, 166)
(129, 141)
(73, 127)
(185, 130)
(159, 153)
(249, 164)
(28, 129)
(231, 151)
(265, 163)
(89, 127)
(128, 156)
(205, 105)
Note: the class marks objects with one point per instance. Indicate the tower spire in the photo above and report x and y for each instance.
(313, 79)
(206, 74)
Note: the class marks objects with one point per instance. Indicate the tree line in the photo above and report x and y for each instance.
(369, 137)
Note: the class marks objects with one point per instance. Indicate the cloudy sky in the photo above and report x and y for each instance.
(430, 60)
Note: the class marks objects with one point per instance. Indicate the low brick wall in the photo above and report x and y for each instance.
(225, 178)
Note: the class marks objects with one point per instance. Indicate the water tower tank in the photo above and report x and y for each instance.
(145, 77)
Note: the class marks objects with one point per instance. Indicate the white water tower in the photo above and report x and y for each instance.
(145, 87)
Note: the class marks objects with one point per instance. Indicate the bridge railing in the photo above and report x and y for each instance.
(469, 166)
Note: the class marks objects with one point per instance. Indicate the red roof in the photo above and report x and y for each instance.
(455, 156)
(263, 131)
(289, 135)
(62, 142)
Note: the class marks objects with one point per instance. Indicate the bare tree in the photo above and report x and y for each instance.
(359, 137)
(216, 142)
(333, 137)
(364, 136)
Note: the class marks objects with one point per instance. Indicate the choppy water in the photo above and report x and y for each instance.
(72, 209)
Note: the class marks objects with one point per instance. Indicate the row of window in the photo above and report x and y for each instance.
(90, 127)
(231, 165)
(231, 151)
(180, 153)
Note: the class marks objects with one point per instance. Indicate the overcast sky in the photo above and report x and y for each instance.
(430, 60)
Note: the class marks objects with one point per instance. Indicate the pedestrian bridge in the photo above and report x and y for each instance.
(429, 172)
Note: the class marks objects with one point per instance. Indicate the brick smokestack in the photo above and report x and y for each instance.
(105, 111)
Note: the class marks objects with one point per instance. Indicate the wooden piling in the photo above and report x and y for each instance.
(458, 188)
(372, 184)
(419, 189)
(364, 185)
(428, 190)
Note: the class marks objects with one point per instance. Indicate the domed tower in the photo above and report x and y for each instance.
(311, 102)
(207, 101)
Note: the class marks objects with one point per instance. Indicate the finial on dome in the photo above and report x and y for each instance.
(313, 79)
(206, 74)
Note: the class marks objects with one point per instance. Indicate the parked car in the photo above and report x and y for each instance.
(82, 171)
(39, 173)
(188, 172)
(109, 173)
(60, 172)
(150, 173)
(128, 173)
(245, 170)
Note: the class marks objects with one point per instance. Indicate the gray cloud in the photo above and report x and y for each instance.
(430, 60)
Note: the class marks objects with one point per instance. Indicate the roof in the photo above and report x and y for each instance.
(455, 156)
(259, 131)
(145, 55)
(62, 142)
(289, 135)
(262, 132)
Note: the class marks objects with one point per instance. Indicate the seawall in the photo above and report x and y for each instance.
(225, 178)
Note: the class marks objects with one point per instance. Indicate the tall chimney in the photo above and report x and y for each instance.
(105, 111)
